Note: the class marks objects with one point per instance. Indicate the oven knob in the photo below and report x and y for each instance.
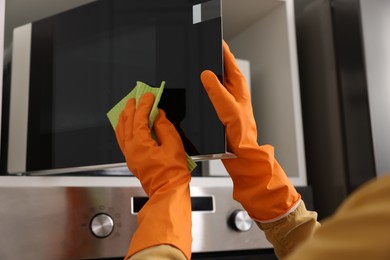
(240, 221)
(102, 225)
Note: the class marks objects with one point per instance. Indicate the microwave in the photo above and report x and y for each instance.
(69, 69)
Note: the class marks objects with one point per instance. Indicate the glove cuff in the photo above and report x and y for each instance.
(165, 220)
(292, 209)
(261, 185)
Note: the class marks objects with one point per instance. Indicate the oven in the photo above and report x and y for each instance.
(94, 218)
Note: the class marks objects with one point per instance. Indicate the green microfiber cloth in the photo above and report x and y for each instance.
(139, 90)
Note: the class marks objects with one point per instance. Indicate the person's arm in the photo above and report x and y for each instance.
(288, 233)
(260, 184)
(358, 230)
(164, 222)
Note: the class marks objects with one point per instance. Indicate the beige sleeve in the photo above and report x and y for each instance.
(358, 230)
(288, 233)
(160, 252)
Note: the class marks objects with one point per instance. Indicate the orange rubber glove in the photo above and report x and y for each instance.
(260, 184)
(164, 175)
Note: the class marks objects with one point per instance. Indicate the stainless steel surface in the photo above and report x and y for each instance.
(18, 163)
(50, 217)
(102, 225)
(241, 220)
(114, 168)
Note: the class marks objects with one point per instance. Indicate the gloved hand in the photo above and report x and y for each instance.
(162, 170)
(260, 184)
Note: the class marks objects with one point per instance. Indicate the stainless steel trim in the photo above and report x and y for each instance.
(97, 181)
(18, 119)
(112, 169)
(105, 169)
(207, 157)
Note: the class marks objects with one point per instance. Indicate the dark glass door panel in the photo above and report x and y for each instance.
(85, 60)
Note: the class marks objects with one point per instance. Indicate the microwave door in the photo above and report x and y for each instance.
(69, 69)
